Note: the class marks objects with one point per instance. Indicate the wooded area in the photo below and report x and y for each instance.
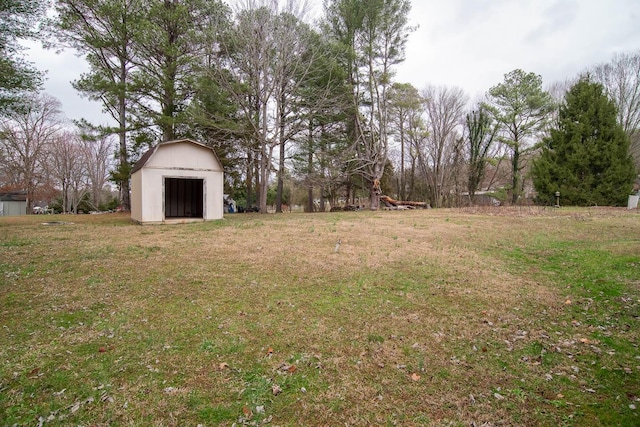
(300, 111)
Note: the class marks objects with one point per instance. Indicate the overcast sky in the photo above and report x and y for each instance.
(465, 43)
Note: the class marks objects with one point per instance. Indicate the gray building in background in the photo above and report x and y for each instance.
(13, 203)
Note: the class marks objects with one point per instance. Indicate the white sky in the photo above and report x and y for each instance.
(465, 43)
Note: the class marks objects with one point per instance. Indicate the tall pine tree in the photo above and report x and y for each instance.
(586, 157)
(19, 20)
(521, 107)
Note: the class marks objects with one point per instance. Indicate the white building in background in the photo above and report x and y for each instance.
(177, 181)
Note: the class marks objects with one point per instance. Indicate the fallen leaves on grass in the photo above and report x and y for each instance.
(287, 368)
(247, 412)
(276, 389)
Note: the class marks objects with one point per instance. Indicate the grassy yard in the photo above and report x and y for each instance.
(496, 317)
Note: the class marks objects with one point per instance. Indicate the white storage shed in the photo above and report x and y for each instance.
(177, 181)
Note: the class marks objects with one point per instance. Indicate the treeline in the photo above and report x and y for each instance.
(54, 166)
(302, 112)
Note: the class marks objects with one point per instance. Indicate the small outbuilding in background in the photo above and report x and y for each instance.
(13, 203)
(177, 181)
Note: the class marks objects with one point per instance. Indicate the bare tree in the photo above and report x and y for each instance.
(417, 137)
(444, 108)
(621, 79)
(78, 165)
(25, 136)
(251, 51)
(97, 153)
(299, 8)
(405, 105)
(373, 35)
(67, 166)
(265, 61)
(382, 42)
(298, 50)
(558, 89)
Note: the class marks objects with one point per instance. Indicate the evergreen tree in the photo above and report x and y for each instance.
(521, 107)
(480, 136)
(104, 31)
(322, 150)
(586, 157)
(169, 48)
(18, 21)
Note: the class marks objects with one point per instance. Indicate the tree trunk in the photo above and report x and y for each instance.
(264, 179)
(281, 131)
(256, 182)
(123, 155)
(323, 200)
(249, 180)
(401, 193)
(412, 181)
(280, 189)
(374, 194)
(515, 170)
(310, 199)
(310, 172)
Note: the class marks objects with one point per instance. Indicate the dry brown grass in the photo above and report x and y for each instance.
(418, 318)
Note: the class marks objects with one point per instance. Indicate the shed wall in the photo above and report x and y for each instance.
(13, 208)
(150, 206)
(183, 159)
(136, 196)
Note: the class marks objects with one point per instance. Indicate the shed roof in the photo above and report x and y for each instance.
(14, 196)
(146, 156)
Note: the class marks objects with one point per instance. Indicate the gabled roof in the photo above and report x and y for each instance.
(146, 156)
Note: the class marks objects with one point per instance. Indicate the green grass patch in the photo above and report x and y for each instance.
(439, 317)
